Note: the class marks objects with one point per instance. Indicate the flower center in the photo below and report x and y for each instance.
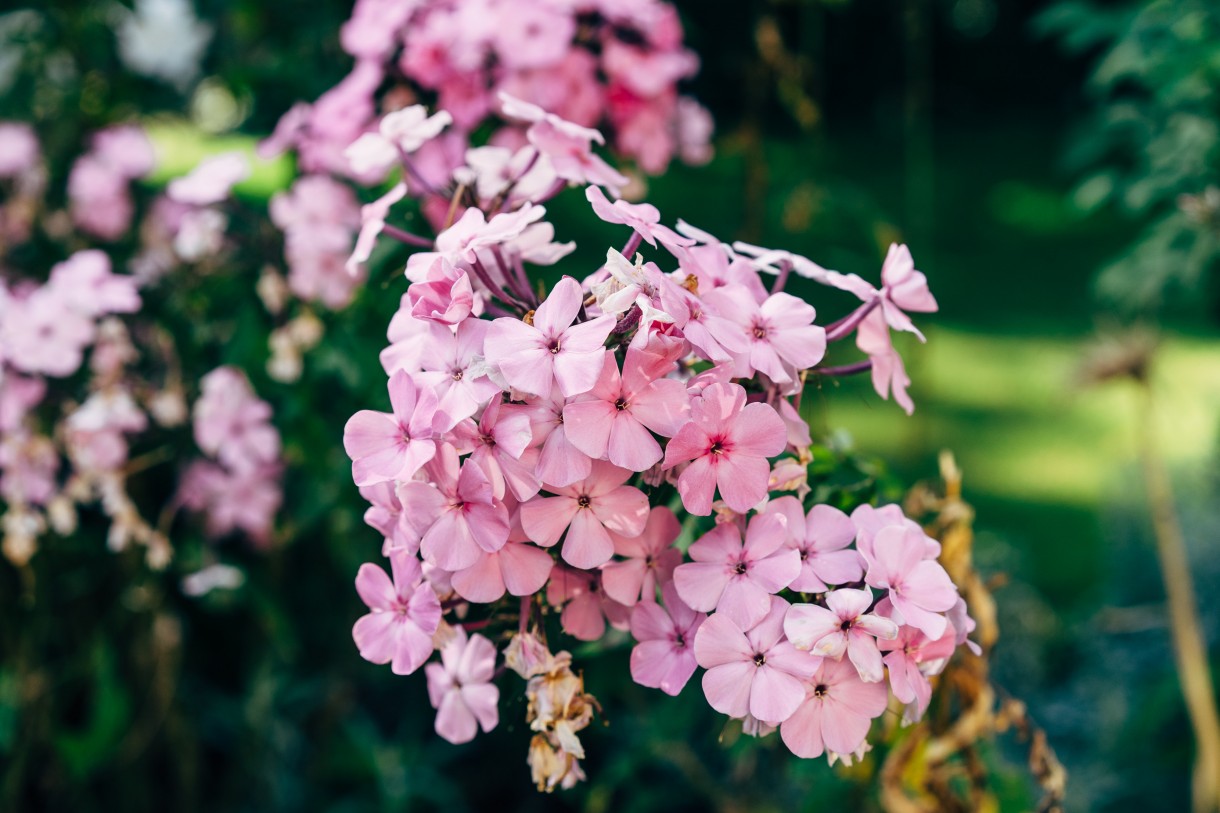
(457, 375)
(554, 347)
(741, 568)
(760, 659)
(820, 690)
(846, 625)
(488, 440)
(717, 448)
(620, 404)
(583, 501)
(760, 331)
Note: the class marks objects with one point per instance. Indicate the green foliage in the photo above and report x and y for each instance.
(1150, 146)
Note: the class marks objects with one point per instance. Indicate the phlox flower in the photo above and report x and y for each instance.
(558, 462)
(473, 231)
(728, 442)
(534, 358)
(232, 423)
(910, 657)
(385, 515)
(586, 607)
(403, 615)
(460, 687)
(613, 419)
(821, 537)
(835, 714)
(210, 181)
(401, 132)
(664, 658)
(519, 568)
(843, 626)
(500, 448)
(781, 337)
(372, 220)
(40, 333)
(571, 157)
(459, 517)
(587, 509)
(869, 519)
(716, 338)
(644, 218)
(649, 559)
(888, 373)
(448, 369)
(392, 446)
(919, 588)
(756, 671)
(85, 284)
(736, 577)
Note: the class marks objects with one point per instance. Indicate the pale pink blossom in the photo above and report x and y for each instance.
(844, 626)
(728, 442)
(558, 461)
(736, 577)
(780, 335)
(587, 510)
(503, 436)
(834, 717)
(910, 657)
(552, 351)
(648, 559)
(586, 607)
(642, 217)
(459, 517)
(664, 658)
(460, 687)
(756, 671)
(444, 294)
(233, 424)
(614, 420)
(919, 588)
(518, 568)
(211, 181)
(448, 369)
(822, 538)
(403, 615)
(392, 446)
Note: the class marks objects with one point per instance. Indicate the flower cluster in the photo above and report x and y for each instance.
(594, 62)
(88, 373)
(545, 454)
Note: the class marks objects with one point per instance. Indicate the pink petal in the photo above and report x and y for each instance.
(375, 588)
(758, 430)
(774, 695)
(631, 445)
(802, 732)
(559, 308)
(587, 544)
(720, 641)
(544, 519)
(624, 510)
(727, 687)
(454, 721)
(697, 484)
(806, 624)
(742, 480)
(481, 582)
(587, 425)
(742, 600)
(701, 585)
(623, 581)
(525, 568)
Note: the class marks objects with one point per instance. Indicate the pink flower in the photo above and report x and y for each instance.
(210, 181)
(586, 607)
(821, 537)
(587, 510)
(372, 219)
(729, 442)
(444, 295)
(756, 671)
(385, 515)
(572, 158)
(551, 351)
(650, 559)
(910, 657)
(836, 713)
(664, 658)
(846, 627)
(643, 217)
(779, 333)
(232, 423)
(614, 418)
(737, 578)
(386, 446)
(519, 568)
(889, 374)
(503, 435)
(904, 289)
(245, 501)
(41, 334)
(448, 370)
(919, 588)
(461, 690)
(85, 284)
(559, 462)
(403, 615)
(459, 518)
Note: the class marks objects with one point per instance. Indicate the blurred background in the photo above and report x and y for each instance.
(1051, 166)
